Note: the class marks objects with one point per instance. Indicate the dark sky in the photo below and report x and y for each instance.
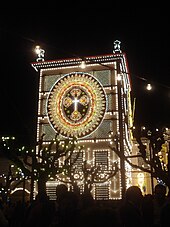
(144, 35)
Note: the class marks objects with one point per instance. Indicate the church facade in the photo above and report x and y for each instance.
(89, 99)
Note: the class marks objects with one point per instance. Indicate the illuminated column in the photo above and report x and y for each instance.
(117, 49)
(121, 143)
(151, 158)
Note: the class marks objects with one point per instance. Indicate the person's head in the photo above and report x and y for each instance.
(160, 191)
(134, 194)
(61, 190)
(41, 197)
(86, 200)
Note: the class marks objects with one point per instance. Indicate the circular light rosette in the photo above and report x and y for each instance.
(76, 105)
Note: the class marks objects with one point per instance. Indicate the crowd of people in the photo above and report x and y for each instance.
(148, 210)
(72, 209)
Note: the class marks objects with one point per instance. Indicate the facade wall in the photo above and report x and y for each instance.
(97, 149)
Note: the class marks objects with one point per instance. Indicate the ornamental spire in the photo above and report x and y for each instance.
(116, 47)
(40, 53)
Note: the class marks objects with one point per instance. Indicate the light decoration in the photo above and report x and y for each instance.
(76, 105)
(14, 177)
(40, 53)
(141, 178)
(19, 189)
(108, 61)
(149, 87)
(116, 47)
(83, 65)
(121, 80)
(119, 77)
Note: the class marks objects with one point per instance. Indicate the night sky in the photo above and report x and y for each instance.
(144, 36)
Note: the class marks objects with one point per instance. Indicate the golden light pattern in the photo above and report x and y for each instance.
(76, 105)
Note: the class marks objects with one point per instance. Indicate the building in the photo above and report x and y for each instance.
(89, 99)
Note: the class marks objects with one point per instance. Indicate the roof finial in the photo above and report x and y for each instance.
(116, 47)
(40, 53)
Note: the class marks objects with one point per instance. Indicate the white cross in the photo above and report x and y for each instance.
(75, 101)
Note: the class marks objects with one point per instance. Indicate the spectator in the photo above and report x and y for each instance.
(130, 210)
(61, 191)
(147, 210)
(3, 220)
(67, 206)
(165, 212)
(97, 216)
(92, 214)
(86, 200)
(41, 213)
(159, 201)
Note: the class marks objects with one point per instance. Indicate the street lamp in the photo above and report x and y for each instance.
(149, 87)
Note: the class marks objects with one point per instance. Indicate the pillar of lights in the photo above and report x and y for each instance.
(88, 103)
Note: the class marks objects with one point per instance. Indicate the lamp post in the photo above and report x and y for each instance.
(121, 143)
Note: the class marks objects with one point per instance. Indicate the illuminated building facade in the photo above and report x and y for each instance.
(90, 103)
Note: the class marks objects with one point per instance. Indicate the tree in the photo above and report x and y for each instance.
(157, 166)
(55, 160)
(87, 175)
(41, 165)
(10, 180)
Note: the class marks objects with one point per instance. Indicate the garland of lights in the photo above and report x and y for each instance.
(76, 105)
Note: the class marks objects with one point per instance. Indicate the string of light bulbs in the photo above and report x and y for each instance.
(83, 64)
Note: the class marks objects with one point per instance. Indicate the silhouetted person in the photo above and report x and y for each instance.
(147, 210)
(86, 200)
(130, 209)
(165, 213)
(17, 215)
(97, 216)
(92, 214)
(67, 206)
(41, 213)
(61, 191)
(3, 220)
(69, 209)
(159, 201)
